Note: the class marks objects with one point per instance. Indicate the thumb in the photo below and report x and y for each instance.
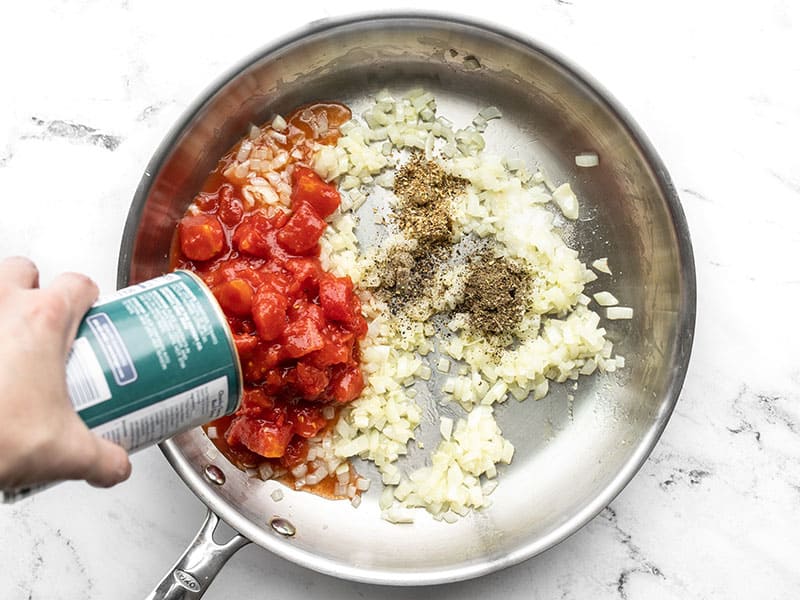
(86, 456)
(111, 465)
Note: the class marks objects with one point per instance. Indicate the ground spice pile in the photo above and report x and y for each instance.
(495, 294)
(424, 190)
(409, 272)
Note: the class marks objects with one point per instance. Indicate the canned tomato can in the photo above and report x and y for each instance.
(150, 361)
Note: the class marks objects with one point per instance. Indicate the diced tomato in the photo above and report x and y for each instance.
(302, 231)
(338, 350)
(340, 304)
(358, 325)
(245, 344)
(279, 218)
(269, 313)
(261, 361)
(336, 298)
(276, 281)
(307, 273)
(230, 207)
(302, 337)
(295, 453)
(307, 421)
(206, 202)
(250, 236)
(201, 237)
(260, 436)
(309, 187)
(330, 354)
(302, 308)
(275, 381)
(257, 398)
(346, 385)
(235, 297)
(311, 381)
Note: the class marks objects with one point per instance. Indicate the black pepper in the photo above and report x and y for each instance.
(409, 273)
(495, 294)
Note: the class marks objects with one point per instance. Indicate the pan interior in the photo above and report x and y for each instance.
(572, 456)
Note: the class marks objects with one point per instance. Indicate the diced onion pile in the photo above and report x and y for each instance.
(559, 338)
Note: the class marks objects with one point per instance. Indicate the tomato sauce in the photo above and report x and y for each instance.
(296, 327)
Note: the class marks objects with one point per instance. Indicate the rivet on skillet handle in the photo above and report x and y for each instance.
(190, 577)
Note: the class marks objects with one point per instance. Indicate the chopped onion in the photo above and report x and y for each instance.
(503, 200)
(265, 471)
(279, 123)
(601, 264)
(566, 200)
(244, 150)
(446, 427)
(619, 312)
(277, 495)
(605, 299)
(587, 159)
(490, 112)
(278, 137)
(313, 479)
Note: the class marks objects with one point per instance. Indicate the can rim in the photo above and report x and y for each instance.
(228, 334)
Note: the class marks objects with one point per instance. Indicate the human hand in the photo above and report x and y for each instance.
(43, 438)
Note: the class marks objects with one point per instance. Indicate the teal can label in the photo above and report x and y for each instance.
(153, 360)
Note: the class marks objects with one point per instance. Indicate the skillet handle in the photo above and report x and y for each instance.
(190, 577)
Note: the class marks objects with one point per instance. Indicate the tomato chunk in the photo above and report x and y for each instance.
(234, 296)
(201, 237)
(269, 313)
(307, 273)
(230, 208)
(307, 421)
(245, 343)
(296, 452)
(258, 399)
(302, 337)
(336, 298)
(260, 436)
(250, 236)
(346, 385)
(207, 202)
(302, 231)
(338, 350)
(311, 381)
(309, 187)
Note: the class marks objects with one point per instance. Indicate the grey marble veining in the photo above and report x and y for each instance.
(90, 88)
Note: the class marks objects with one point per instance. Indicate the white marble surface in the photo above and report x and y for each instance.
(90, 87)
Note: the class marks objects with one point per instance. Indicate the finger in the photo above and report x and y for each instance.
(79, 291)
(18, 271)
(87, 456)
(112, 465)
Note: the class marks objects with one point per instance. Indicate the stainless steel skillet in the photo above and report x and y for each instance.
(572, 457)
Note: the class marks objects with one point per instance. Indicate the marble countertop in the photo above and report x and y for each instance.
(91, 87)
